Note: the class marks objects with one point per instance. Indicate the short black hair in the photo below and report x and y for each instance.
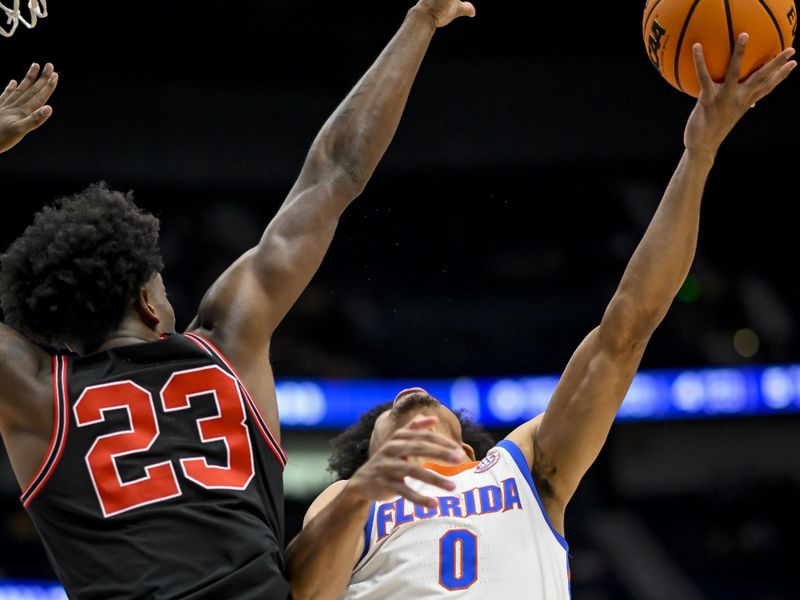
(70, 276)
(351, 447)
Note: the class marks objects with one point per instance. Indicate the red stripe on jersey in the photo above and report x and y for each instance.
(60, 430)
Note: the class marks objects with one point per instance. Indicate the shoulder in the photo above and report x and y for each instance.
(524, 437)
(326, 497)
(20, 359)
(24, 372)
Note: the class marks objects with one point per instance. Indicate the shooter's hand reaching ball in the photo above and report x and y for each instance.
(445, 12)
(721, 105)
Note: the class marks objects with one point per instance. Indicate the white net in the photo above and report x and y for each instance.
(37, 9)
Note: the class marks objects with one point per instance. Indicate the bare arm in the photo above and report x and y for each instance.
(242, 309)
(20, 364)
(22, 109)
(26, 405)
(573, 429)
(337, 518)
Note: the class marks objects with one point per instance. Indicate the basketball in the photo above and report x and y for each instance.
(671, 28)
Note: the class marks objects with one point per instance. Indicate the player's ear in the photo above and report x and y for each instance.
(146, 309)
(469, 450)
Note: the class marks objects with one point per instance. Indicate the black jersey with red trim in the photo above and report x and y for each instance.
(162, 479)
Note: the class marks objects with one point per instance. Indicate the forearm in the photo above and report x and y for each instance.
(353, 140)
(321, 558)
(341, 160)
(662, 260)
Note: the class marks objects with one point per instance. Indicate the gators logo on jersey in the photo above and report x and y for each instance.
(487, 463)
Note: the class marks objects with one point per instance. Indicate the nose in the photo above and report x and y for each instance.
(416, 390)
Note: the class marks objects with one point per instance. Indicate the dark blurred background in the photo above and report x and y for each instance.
(535, 147)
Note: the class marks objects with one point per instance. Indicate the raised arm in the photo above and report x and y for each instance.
(242, 309)
(23, 366)
(566, 440)
(23, 108)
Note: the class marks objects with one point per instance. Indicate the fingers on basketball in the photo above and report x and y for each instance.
(774, 80)
(703, 76)
(768, 77)
(670, 27)
(733, 75)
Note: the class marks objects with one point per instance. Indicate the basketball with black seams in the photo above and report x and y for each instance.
(672, 27)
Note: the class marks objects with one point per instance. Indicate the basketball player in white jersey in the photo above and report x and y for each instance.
(423, 519)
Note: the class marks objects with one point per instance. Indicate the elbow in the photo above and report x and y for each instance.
(305, 592)
(304, 584)
(628, 324)
(301, 590)
(349, 177)
(336, 165)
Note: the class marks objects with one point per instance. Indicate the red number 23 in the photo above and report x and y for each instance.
(160, 481)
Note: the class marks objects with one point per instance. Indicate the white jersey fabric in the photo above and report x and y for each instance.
(489, 539)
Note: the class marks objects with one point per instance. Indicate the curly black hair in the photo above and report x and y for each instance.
(351, 447)
(70, 276)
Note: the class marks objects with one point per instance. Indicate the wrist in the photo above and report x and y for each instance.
(705, 156)
(354, 497)
(425, 17)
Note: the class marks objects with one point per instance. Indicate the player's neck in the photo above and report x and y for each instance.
(127, 334)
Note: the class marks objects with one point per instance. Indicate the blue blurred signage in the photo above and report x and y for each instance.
(508, 401)
(31, 590)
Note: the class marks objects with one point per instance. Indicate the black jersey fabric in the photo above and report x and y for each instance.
(162, 480)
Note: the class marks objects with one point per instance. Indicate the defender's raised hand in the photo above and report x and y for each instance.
(23, 107)
(721, 105)
(445, 12)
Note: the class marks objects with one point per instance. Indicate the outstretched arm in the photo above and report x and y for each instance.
(23, 108)
(242, 309)
(566, 440)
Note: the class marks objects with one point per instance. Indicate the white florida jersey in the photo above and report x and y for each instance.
(488, 539)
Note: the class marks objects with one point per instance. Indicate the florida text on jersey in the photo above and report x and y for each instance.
(489, 538)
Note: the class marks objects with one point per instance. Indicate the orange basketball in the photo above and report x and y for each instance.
(671, 27)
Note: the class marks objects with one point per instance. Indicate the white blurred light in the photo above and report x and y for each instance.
(778, 388)
(538, 391)
(688, 392)
(301, 403)
(22, 591)
(464, 395)
(507, 400)
(642, 398)
(726, 390)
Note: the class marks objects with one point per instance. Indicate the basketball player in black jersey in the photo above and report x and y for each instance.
(150, 461)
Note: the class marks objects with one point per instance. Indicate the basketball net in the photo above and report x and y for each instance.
(37, 8)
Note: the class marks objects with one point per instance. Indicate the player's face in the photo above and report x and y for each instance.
(158, 300)
(412, 403)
